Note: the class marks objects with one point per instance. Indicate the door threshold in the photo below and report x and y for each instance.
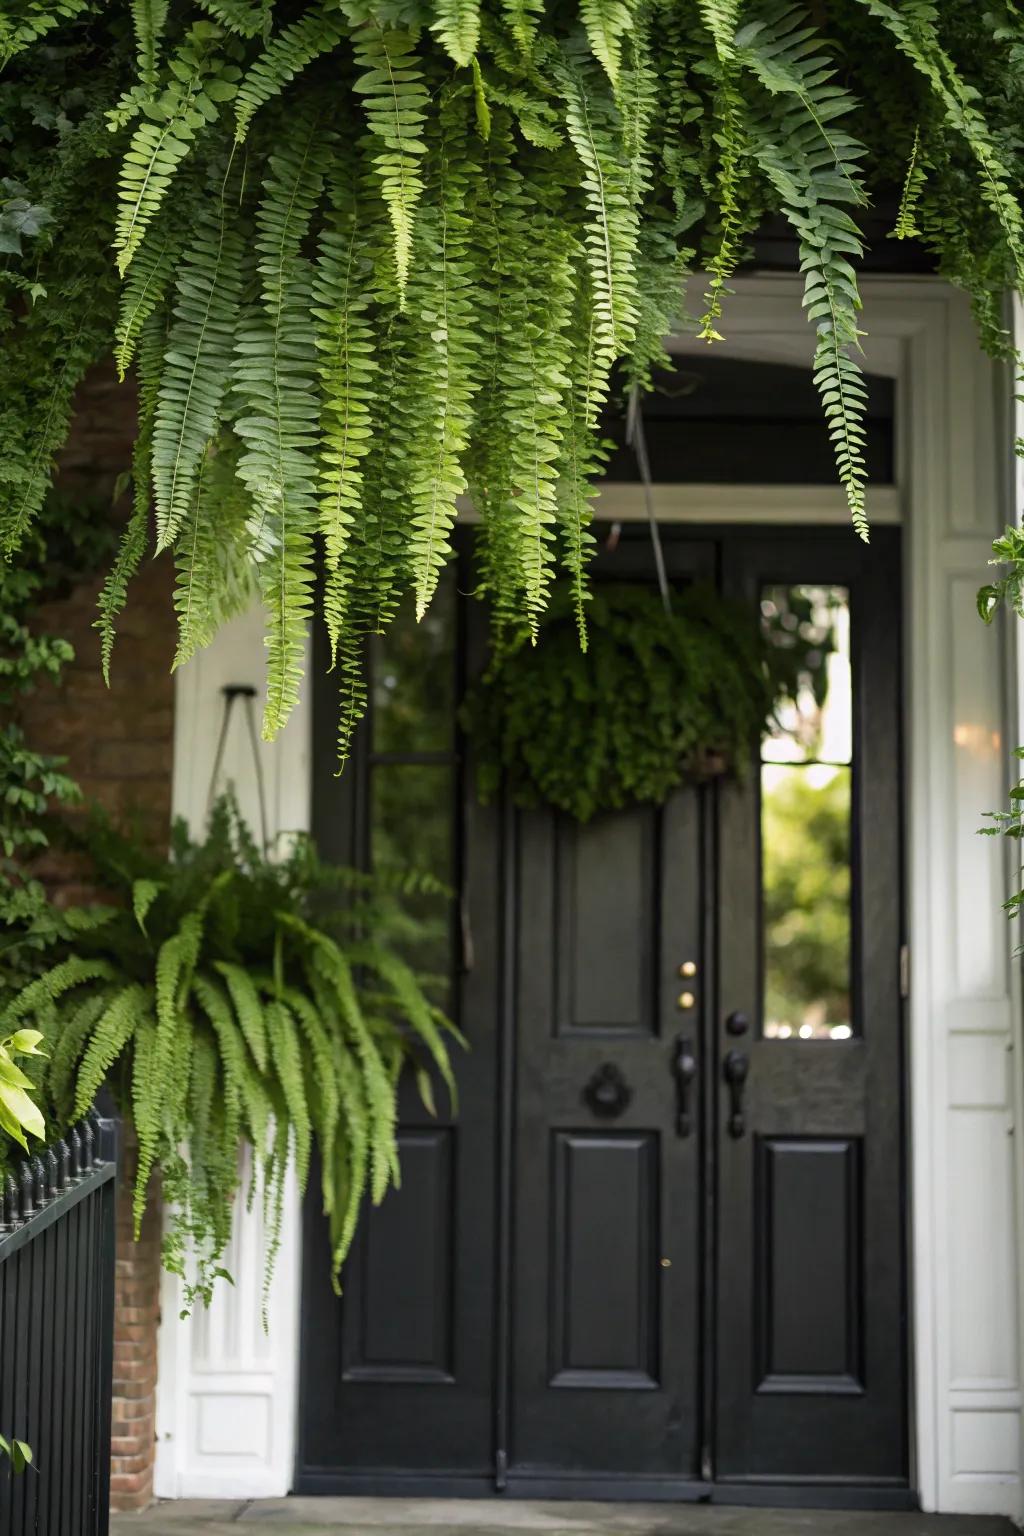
(610, 1489)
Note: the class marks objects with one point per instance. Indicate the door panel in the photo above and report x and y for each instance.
(604, 1318)
(808, 1280)
(606, 1238)
(811, 1368)
(606, 926)
(403, 1315)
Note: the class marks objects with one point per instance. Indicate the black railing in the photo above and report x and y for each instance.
(56, 1333)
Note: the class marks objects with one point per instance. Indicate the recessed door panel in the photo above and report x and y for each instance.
(604, 1260)
(606, 928)
(808, 1277)
(401, 1282)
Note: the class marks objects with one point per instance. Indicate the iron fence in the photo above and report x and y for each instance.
(56, 1333)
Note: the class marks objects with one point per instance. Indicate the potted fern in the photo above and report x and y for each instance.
(227, 996)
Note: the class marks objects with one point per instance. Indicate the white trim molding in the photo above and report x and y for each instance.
(227, 1387)
(227, 1401)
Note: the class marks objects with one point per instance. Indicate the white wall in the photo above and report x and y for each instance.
(226, 1405)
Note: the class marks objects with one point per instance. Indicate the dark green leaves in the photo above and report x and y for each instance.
(446, 230)
(656, 700)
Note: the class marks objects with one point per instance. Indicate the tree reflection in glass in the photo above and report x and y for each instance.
(806, 769)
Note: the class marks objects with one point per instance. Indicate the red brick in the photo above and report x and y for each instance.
(119, 746)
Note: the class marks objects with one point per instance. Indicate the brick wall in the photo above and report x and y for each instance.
(119, 745)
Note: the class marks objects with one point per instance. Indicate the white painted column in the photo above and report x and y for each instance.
(964, 1011)
(226, 1399)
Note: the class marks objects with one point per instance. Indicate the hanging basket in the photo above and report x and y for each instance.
(657, 700)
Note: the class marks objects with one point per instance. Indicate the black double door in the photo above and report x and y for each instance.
(659, 1252)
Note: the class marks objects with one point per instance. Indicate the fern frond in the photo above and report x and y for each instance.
(606, 23)
(198, 361)
(148, 19)
(721, 18)
(287, 1057)
(322, 1085)
(147, 1092)
(913, 185)
(72, 1035)
(52, 985)
(236, 1058)
(413, 1006)
(611, 235)
(246, 18)
(395, 102)
(110, 1035)
(114, 592)
(346, 344)
(135, 537)
(457, 25)
(443, 372)
(248, 1006)
(522, 18)
(275, 374)
(295, 47)
(215, 575)
(811, 161)
(914, 28)
(146, 285)
(353, 1159)
(144, 893)
(200, 80)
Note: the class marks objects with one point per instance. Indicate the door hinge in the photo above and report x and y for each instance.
(904, 970)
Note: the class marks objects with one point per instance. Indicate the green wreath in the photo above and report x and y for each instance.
(658, 699)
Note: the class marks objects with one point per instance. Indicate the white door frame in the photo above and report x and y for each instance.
(953, 493)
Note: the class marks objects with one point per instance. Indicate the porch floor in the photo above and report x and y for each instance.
(473, 1517)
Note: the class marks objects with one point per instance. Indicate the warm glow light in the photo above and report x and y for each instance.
(806, 1031)
(977, 739)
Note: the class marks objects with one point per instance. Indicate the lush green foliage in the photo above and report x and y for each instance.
(806, 885)
(656, 700)
(69, 538)
(373, 256)
(28, 779)
(231, 997)
(20, 1115)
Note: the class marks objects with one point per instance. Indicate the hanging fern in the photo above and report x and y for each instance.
(446, 231)
(658, 700)
(223, 1006)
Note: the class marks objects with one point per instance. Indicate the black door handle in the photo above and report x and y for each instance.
(736, 1068)
(684, 1065)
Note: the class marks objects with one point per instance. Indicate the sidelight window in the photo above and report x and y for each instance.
(806, 783)
(411, 772)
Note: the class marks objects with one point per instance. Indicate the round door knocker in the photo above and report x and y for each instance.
(607, 1094)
